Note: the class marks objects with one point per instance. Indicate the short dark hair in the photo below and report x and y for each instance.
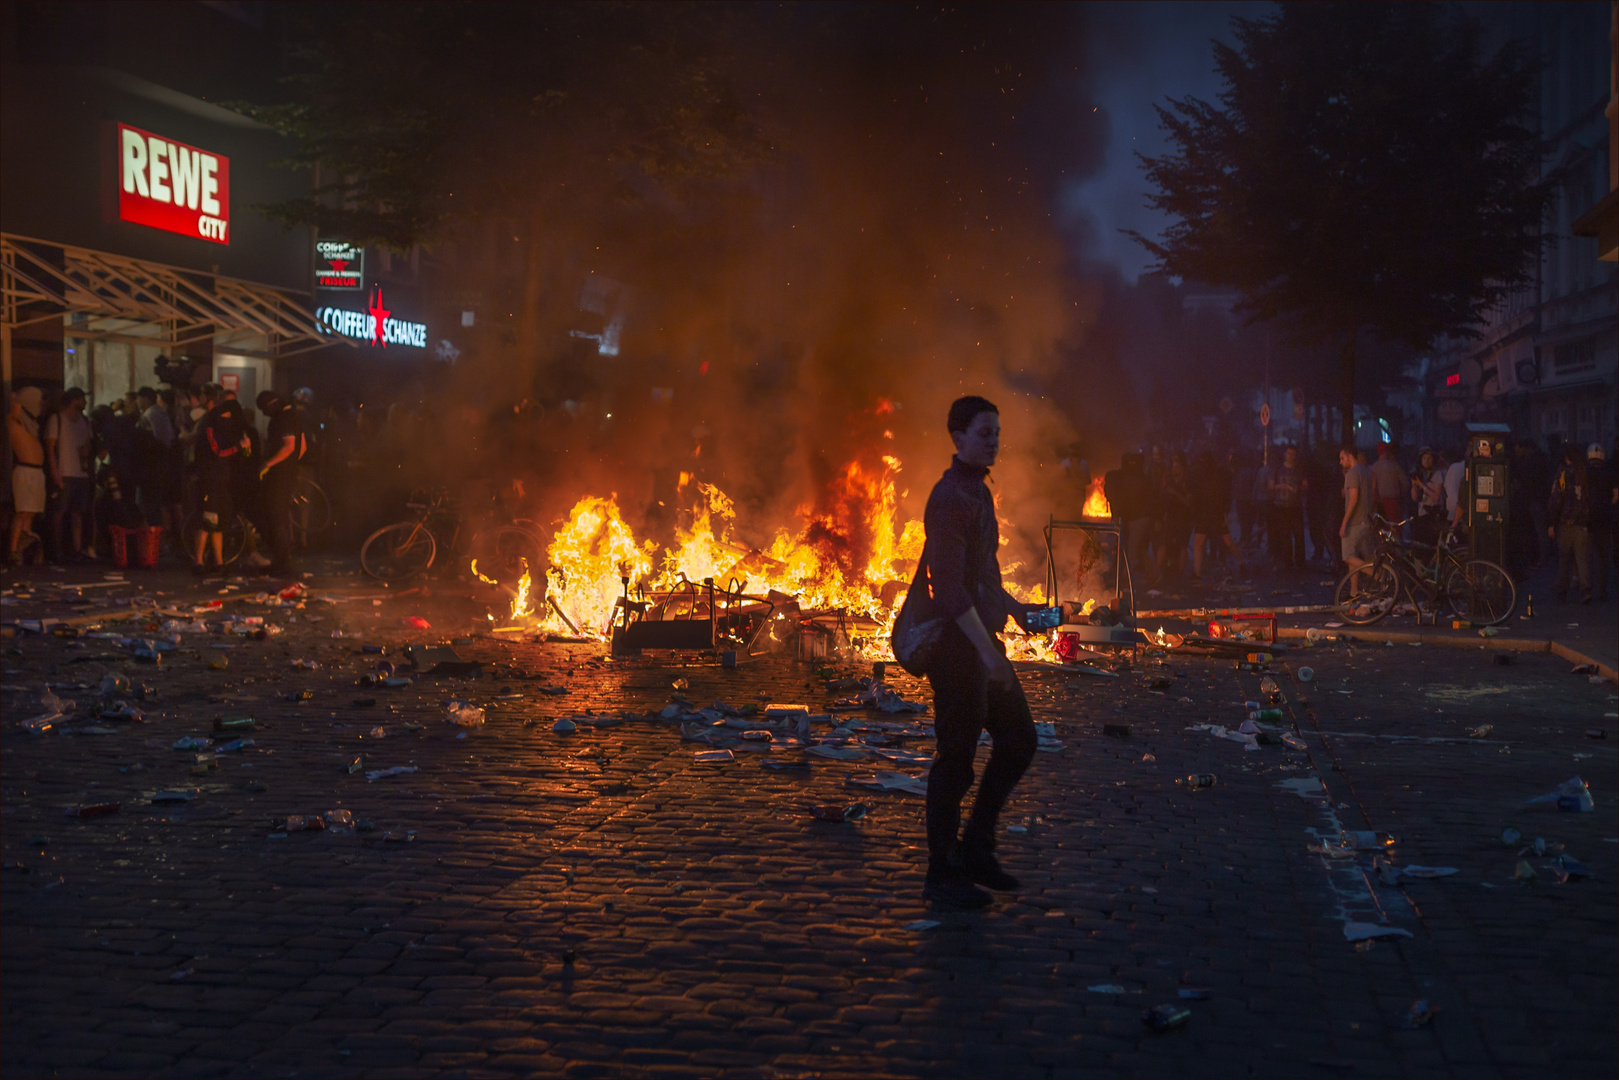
(963, 410)
(269, 400)
(72, 393)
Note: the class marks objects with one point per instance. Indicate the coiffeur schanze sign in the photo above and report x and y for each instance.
(168, 185)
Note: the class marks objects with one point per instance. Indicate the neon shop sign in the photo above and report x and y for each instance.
(375, 325)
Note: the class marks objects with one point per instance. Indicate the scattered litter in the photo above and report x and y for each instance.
(397, 770)
(1166, 1017)
(838, 753)
(1596, 733)
(785, 764)
(1191, 993)
(1572, 795)
(837, 815)
(1366, 840)
(1200, 780)
(463, 714)
(1418, 1015)
(377, 732)
(192, 742)
(922, 924)
(713, 757)
(892, 781)
(1511, 836)
(174, 796)
(93, 810)
(1305, 787)
(1523, 873)
(415, 622)
(1568, 868)
(1295, 742)
(1480, 732)
(564, 727)
(1427, 872)
(1359, 931)
(1107, 988)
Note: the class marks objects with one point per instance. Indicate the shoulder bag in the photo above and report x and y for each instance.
(919, 628)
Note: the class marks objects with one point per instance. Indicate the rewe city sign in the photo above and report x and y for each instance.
(168, 185)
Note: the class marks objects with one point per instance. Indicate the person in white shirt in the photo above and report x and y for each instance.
(67, 458)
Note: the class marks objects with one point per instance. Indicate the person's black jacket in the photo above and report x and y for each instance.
(963, 539)
(1570, 502)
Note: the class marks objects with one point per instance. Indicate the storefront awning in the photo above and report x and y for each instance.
(147, 303)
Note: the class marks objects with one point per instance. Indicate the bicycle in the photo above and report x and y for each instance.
(236, 532)
(503, 551)
(311, 510)
(1476, 590)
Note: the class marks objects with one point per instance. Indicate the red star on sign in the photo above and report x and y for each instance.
(378, 313)
(338, 266)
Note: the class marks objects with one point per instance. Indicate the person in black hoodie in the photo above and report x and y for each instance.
(974, 686)
(221, 437)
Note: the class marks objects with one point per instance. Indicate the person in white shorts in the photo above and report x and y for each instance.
(27, 466)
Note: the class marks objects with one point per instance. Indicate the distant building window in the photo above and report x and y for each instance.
(1574, 357)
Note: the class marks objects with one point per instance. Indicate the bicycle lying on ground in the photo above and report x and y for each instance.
(502, 549)
(1476, 590)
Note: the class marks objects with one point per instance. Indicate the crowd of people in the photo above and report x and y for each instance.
(1296, 511)
(156, 457)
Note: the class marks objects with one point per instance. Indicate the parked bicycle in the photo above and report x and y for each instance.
(434, 536)
(1431, 577)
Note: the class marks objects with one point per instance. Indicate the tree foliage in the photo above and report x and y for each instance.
(1366, 168)
(419, 114)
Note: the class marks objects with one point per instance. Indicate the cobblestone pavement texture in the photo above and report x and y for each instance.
(716, 929)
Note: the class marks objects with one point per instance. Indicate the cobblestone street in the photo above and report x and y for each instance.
(600, 903)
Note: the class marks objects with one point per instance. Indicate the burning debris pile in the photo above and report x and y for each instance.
(831, 585)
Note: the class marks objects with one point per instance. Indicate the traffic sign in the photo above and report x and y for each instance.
(1264, 415)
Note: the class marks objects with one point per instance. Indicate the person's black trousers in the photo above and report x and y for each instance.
(1287, 536)
(276, 504)
(965, 703)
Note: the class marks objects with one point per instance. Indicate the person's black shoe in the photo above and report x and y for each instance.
(951, 890)
(983, 868)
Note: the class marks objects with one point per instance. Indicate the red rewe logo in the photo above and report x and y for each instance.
(378, 314)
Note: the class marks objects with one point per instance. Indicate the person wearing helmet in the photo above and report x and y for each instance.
(1599, 472)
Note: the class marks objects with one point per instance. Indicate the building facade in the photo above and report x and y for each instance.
(1549, 355)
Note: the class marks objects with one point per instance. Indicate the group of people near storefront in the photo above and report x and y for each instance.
(147, 459)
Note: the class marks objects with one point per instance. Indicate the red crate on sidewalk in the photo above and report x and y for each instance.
(146, 540)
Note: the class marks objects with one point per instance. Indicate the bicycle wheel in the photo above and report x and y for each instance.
(1366, 596)
(398, 551)
(235, 534)
(311, 510)
(502, 551)
(1481, 592)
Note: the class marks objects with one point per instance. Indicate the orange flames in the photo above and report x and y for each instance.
(850, 546)
(1096, 505)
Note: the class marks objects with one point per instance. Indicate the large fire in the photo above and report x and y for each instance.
(1096, 505)
(851, 553)
(847, 549)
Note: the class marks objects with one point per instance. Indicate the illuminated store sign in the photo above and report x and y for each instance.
(374, 325)
(168, 185)
(339, 265)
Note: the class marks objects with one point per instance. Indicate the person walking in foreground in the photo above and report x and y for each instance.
(974, 685)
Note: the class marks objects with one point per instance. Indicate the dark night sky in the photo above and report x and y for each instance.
(1139, 54)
